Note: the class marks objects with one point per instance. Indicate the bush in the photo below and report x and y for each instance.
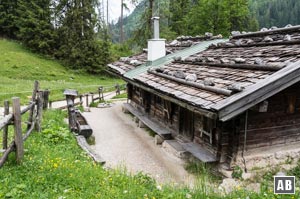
(237, 172)
(55, 130)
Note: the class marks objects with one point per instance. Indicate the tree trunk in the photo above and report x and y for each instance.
(151, 2)
(121, 23)
(107, 20)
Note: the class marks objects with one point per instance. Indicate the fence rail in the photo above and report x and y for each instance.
(38, 102)
(92, 96)
(35, 109)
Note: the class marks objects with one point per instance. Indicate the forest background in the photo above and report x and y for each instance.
(76, 32)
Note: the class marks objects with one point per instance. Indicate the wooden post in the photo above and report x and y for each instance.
(87, 100)
(39, 110)
(50, 104)
(70, 97)
(101, 96)
(33, 98)
(5, 129)
(80, 98)
(92, 97)
(117, 89)
(46, 99)
(18, 129)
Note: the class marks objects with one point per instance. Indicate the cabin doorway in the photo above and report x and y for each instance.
(186, 124)
(147, 101)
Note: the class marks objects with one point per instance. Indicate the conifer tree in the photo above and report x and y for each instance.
(8, 15)
(35, 26)
(219, 17)
(178, 10)
(78, 45)
(143, 32)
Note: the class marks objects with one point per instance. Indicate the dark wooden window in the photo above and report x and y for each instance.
(291, 103)
(158, 100)
(186, 123)
(147, 101)
(207, 130)
(129, 91)
(138, 92)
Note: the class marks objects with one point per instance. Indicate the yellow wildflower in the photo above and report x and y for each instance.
(55, 165)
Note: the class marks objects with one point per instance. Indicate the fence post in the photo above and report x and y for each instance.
(40, 102)
(18, 129)
(92, 97)
(101, 97)
(87, 100)
(117, 89)
(80, 99)
(30, 118)
(5, 129)
(46, 99)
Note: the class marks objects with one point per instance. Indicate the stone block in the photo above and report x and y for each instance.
(135, 119)
(280, 155)
(228, 185)
(124, 110)
(173, 147)
(141, 124)
(158, 139)
(87, 109)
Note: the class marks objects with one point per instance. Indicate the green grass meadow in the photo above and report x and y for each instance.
(19, 68)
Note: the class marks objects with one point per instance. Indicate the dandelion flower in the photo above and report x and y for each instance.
(158, 187)
(55, 165)
(187, 195)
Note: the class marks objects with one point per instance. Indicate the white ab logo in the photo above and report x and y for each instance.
(287, 187)
(284, 184)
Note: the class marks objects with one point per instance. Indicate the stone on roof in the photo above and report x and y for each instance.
(208, 78)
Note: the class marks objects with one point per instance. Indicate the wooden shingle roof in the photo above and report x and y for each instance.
(232, 76)
(125, 64)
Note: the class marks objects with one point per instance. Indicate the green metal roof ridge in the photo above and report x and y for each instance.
(168, 58)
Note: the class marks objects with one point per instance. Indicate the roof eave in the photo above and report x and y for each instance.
(114, 68)
(237, 104)
(192, 107)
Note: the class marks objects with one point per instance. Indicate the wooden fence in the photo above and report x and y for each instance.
(90, 97)
(100, 92)
(35, 109)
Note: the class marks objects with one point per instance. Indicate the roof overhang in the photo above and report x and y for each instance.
(115, 68)
(237, 104)
(207, 113)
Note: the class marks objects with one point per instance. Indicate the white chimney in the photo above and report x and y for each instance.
(156, 46)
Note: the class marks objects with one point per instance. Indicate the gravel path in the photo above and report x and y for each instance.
(123, 145)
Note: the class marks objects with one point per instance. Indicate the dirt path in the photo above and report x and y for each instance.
(122, 144)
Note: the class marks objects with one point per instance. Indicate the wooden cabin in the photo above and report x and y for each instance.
(236, 102)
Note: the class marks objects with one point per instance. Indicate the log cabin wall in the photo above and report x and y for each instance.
(206, 133)
(164, 112)
(135, 99)
(275, 122)
(229, 140)
(178, 120)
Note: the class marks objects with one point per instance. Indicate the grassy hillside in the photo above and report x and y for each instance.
(19, 68)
